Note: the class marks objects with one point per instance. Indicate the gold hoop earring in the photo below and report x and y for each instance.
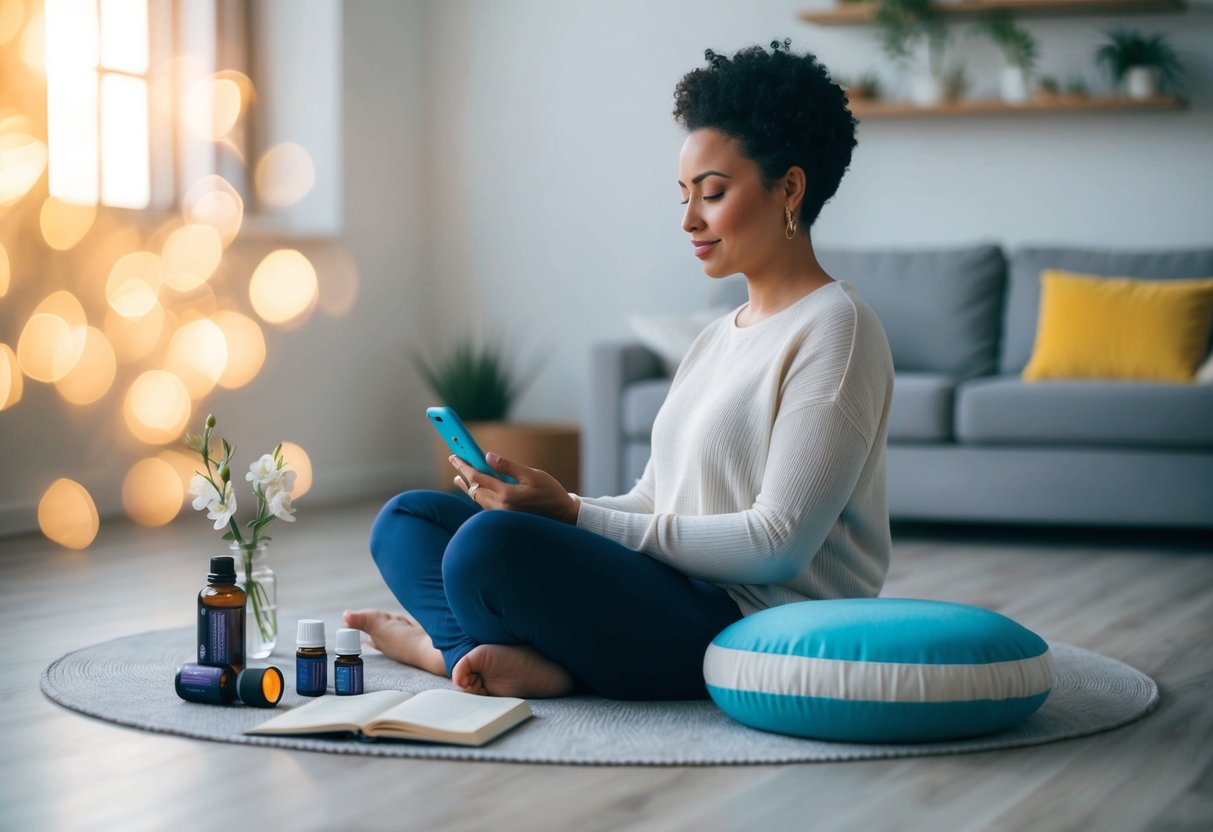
(789, 230)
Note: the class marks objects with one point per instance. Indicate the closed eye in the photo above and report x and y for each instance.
(708, 197)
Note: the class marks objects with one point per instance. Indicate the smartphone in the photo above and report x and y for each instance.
(450, 427)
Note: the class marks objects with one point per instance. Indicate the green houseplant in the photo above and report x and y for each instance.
(1140, 64)
(1019, 52)
(901, 27)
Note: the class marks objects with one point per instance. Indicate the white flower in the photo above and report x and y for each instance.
(279, 500)
(204, 493)
(263, 470)
(221, 510)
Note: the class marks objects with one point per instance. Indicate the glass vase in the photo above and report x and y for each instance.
(260, 586)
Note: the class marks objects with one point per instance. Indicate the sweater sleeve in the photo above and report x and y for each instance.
(815, 459)
(639, 500)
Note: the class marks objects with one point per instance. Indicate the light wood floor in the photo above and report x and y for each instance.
(1146, 599)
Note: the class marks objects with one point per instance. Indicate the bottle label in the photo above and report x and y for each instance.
(221, 636)
(347, 679)
(311, 677)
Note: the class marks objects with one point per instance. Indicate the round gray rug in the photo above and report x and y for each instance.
(130, 681)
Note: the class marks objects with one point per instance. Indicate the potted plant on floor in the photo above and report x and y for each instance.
(481, 383)
(901, 26)
(1140, 65)
(1019, 53)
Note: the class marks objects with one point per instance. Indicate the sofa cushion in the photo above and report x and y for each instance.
(940, 308)
(640, 404)
(1090, 413)
(1023, 287)
(922, 408)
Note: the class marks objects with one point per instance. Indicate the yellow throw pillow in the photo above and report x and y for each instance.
(1120, 328)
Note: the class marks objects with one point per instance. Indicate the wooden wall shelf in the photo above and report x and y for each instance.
(864, 110)
(855, 14)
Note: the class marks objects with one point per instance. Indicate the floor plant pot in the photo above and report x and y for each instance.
(555, 448)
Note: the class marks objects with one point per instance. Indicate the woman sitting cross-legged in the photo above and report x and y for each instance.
(766, 483)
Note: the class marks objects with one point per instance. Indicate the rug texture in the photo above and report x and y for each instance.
(130, 681)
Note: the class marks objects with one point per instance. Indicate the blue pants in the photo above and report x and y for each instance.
(623, 625)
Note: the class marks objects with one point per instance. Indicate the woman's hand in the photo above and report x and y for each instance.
(537, 492)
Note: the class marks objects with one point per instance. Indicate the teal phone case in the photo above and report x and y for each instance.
(451, 428)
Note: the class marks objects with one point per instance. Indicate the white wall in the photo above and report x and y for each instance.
(512, 166)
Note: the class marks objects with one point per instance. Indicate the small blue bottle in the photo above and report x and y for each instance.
(311, 659)
(347, 668)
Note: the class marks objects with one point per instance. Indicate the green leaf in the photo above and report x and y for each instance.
(229, 536)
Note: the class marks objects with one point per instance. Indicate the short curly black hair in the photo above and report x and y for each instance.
(783, 109)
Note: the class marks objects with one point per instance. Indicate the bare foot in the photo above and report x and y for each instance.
(398, 637)
(511, 670)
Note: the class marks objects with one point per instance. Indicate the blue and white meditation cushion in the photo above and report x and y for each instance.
(878, 670)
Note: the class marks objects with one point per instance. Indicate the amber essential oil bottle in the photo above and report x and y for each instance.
(347, 667)
(221, 617)
(311, 659)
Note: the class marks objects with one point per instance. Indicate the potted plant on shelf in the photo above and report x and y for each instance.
(481, 383)
(1140, 65)
(864, 88)
(901, 26)
(1019, 53)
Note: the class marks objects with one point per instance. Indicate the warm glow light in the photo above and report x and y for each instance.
(124, 35)
(157, 407)
(245, 349)
(53, 339)
(68, 515)
(297, 459)
(65, 223)
(133, 285)
(283, 287)
(22, 160)
(190, 255)
(211, 107)
(64, 304)
(338, 276)
(12, 381)
(12, 15)
(213, 201)
(33, 43)
(72, 37)
(134, 338)
(71, 84)
(197, 354)
(152, 492)
(125, 166)
(184, 464)
(6, 271)
(93, 374)
(284, 174)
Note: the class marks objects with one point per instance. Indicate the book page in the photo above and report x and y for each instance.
(332, 713)
(450, 711)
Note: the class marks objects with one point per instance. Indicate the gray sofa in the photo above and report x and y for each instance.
(968, 439)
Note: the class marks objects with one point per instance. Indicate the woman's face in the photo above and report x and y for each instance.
(733, 221)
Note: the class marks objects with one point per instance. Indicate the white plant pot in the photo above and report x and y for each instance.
(1141, 81)
(926, 90)
(1013, 85)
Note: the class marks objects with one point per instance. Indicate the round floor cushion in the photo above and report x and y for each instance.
(878, 670)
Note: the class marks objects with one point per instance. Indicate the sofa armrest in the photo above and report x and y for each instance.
(613, 366)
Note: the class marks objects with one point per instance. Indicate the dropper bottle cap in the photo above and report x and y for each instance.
(349, 642)
(310, 633)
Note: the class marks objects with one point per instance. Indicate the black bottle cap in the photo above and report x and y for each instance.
(260, 687)
(223, 570)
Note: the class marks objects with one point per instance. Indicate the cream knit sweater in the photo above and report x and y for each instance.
(767, 474)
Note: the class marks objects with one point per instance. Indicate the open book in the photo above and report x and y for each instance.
(437, 715)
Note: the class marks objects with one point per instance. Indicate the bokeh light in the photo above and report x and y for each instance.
(93, 374)
(12, 15)
(65, 223)
(133, 339)
(157, 407)
(133, 285)
(33, 43)
(284, 174)
(6, 271)
(48, 348)
(197, 355)
(245, 348)
(184, 464)
(211, 106)
(297, 459)
(283, 288)
(12, 381)
(68, 515)
(152, 493)
(190, 256)
(213, 201)
(339, 281)
(22, 160)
